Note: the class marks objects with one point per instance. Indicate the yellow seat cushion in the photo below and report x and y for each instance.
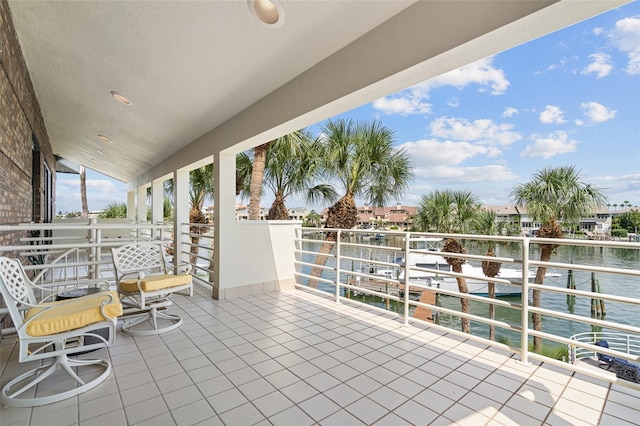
(155, 282)
(71, 314)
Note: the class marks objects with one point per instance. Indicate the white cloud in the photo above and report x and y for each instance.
(454, 102)
(549, 146)
(597, 31)
(431, 153)
(482, 131)
(414, 100)
(509, 112)
(579, 122)
(552, 67)
(404, 105)
(452, 176)
(626, 38)
(481, 72)
(596, 112)
(600, 65)
(552, 115)
(100, 193)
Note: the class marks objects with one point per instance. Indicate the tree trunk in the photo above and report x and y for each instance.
(452, 245)
(464, 302)
(83, 192)
(491, 269)
(342, 215)
(550, 229)
(257, 176)
(278, 211)
(492, 311)
(195, 216)
(545, 255)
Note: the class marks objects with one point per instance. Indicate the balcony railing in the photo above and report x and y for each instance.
(370, 267)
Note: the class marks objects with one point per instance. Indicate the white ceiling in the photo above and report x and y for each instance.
(191, 68)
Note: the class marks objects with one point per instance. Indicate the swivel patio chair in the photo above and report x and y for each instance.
(604, 360)
(55, 330)
(145, 285)
(627, 370)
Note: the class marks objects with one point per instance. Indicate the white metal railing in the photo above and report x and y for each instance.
(199, 251)
(621, 342)
(68, 255)
(358, 265)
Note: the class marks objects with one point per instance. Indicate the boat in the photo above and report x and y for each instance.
(479, 286)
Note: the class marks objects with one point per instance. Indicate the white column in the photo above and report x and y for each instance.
(142, 204)
(131, 206)
(181, 216)
(157, 204)
(224, 215)
(157, 201)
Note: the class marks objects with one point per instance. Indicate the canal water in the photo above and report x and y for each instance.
(596, 256)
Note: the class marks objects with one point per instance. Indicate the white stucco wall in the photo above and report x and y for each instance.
(257, 257)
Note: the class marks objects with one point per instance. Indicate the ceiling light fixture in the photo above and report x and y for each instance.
(269, 12)
(104, 138)
(120, 98)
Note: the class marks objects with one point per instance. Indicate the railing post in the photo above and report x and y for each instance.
(524, 337)
(406, 277)
(338, 266)
(94, 250)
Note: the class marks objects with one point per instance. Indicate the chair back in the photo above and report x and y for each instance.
(16, 288)
(137, 257)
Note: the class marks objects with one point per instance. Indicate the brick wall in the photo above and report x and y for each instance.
(20, 122)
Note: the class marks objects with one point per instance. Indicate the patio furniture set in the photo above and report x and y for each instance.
(57, 328)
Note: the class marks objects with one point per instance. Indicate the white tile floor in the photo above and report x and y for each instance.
(299, 359)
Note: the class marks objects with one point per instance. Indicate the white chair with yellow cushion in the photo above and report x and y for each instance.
(145, 285)
(55, 330)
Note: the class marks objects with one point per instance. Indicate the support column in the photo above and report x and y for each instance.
(131, 206)
(181, 238)
(142, 204)
(224, 213)
(157, 204)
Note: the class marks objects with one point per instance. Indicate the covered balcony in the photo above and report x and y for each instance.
(198, 83)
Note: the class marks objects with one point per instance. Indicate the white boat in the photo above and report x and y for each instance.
(477, 286)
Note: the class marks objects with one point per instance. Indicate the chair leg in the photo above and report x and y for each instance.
(11, 397)
(152, 316)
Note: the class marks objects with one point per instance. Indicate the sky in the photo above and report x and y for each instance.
(571, 98)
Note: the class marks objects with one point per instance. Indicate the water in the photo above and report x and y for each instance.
(597, 256)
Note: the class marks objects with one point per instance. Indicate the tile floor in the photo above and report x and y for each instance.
(296, 358)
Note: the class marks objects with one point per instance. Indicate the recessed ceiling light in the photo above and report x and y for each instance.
(95, 161)
(104, 138)
(120, 98)
(269, 12)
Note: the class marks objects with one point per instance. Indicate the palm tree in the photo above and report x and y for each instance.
(313, 219)
(291, 167)
(553, 197)
(361, 158)
(257, 176)
(487, 223)
(200, 188)
(83, 192)
(450, 212)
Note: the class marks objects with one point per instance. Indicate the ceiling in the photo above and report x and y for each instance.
(203, 73)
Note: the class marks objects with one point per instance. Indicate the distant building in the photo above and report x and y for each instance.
(596, 225)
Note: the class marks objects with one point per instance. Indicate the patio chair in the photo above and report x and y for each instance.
(627, 370)
(55, 330)
(145, 286)
(604, 359)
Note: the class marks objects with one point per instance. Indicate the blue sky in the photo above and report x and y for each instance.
(569, 98)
